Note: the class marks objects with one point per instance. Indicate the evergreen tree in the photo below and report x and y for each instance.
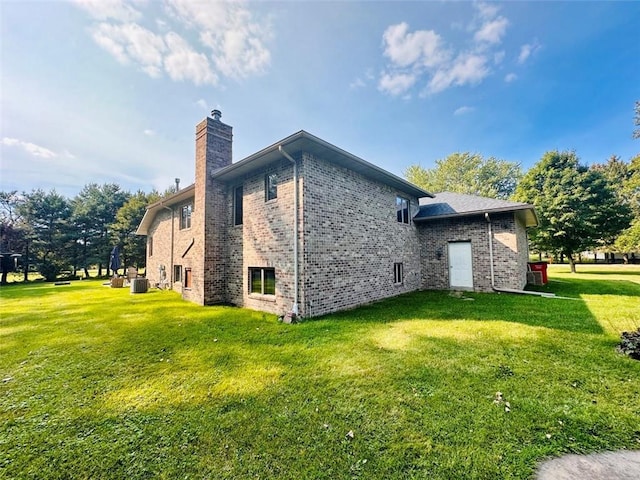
(126, 223)
(46, 222)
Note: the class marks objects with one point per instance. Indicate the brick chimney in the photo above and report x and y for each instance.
(213, 143)
(209, 225)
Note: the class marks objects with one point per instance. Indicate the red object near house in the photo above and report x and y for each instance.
(540, 267)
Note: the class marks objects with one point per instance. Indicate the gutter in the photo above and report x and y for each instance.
(172, 229)
(493, 285)
(294, 308)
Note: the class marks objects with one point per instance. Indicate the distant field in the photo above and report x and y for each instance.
(98, 383)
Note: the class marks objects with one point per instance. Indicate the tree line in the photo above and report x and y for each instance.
(579, 208)
(56, 235)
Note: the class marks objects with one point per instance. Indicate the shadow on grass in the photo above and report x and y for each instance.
(575, 287)
(561, 314)
(106, 384)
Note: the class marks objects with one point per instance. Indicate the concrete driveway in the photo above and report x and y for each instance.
(623, 465)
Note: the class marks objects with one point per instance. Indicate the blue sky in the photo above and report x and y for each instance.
(111, 91)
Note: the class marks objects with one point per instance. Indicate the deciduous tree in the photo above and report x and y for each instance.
(577, 209)
(468, 173)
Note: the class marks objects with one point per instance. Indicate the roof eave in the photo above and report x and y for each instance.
(530, 220)
(154, 208)
(304, 141)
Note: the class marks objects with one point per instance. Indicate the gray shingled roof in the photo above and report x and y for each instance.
(448, 204)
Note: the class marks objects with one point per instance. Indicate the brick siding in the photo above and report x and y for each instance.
(509, 251)
(349, 237)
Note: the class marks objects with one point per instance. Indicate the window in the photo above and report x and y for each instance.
(237, 205)
(271, 186)
(150, 246)
(187, 278)
(185, 216)
(398, 273)
(262, 281)
(402, 209)
(177, 273)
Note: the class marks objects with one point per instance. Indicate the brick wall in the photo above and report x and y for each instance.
(509, 243)
(352, 240)
(163, 254)
(213, 151)
(265, 239)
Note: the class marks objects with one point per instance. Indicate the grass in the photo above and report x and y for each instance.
(97, 383)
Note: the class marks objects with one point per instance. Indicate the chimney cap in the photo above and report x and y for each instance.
(216, 114)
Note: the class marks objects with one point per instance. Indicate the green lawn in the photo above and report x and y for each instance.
(98, 383)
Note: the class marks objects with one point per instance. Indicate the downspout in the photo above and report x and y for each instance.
(171, 262)
(493, 284)
(294, 308)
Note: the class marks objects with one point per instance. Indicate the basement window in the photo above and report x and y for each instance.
(398, 273)
(262, 281)
(402, 209)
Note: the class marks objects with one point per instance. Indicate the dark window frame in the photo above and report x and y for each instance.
(398, 273)
(238, 207)
(177, 273)
(150, 246)
(270, 186)
(403, 208)
(265, 281)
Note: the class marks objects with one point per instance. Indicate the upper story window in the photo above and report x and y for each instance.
(185, 216)
(402, 209)
(271, 186)
(237, 205)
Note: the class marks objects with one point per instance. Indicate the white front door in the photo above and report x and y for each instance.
(460, 265)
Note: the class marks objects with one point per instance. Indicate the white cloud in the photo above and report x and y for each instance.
(202, 103)
(423, 47)
(109, 10)
(183, 63)
(527, 50)
(149, 133)
(33, 149)
(463, 110)
(492, 31)
(486, 10)
(236, 41)
(424, 56)
(467, 69)
(130, 42)
(510, 77)
(232, 43)
(396, 83)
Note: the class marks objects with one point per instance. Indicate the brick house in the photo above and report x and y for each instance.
(303, 226)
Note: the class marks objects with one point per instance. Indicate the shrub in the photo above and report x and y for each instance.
(630, 344)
